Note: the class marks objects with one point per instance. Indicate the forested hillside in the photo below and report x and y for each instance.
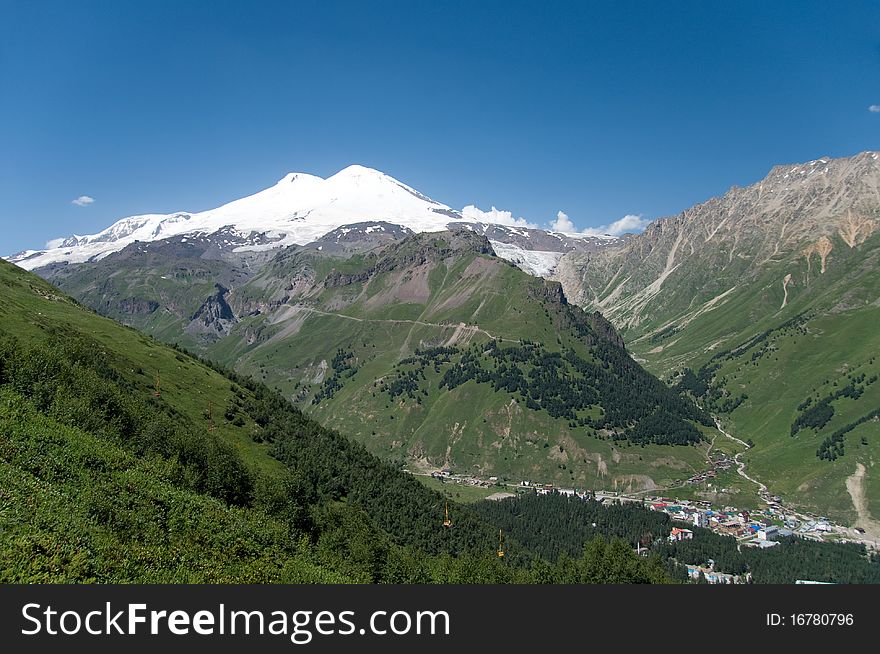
(434, 352)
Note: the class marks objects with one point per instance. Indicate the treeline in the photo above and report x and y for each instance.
(812, 413)
(833, 447)
(817, 415)
(663, 428)
(703, 385)
(343, 366)
(706, 545)
(814, 417)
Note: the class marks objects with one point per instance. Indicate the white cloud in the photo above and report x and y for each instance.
(562, 223)
(874, 108)
(83, 201)
(629, 223)
(494, 216)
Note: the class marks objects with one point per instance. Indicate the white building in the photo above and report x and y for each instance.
(680, 534)
(769, 533)
(701, 519)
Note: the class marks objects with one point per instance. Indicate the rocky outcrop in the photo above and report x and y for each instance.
(855, 228)
(336, 278)
(136, 306)
(215, 317)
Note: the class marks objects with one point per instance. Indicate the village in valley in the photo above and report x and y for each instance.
(759, 528)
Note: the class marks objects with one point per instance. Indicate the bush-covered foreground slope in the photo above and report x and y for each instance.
(127, 461)
(76, 507)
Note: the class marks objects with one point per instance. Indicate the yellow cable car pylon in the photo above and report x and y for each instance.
(500, 544)
(447, 522)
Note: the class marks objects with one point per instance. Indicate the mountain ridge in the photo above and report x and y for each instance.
(298, 209)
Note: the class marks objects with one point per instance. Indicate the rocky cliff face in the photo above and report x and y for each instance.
(215, 317)
(358, 238)
(692, 262)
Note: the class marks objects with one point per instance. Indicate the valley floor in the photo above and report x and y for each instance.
(470, 489)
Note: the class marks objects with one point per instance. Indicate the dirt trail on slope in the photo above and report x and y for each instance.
(462, 327)
(740, 465)
(855, 485)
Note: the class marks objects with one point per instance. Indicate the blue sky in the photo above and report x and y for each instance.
(597, 109)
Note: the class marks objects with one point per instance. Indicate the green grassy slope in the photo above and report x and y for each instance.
(765, 360)
(32, 309)
(76, 507)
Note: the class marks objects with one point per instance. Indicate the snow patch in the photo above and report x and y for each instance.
(534, 262)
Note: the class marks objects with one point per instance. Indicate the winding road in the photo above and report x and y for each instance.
(740, 465)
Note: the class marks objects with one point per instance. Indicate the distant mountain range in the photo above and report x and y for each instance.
(693, 263)
(396, 320)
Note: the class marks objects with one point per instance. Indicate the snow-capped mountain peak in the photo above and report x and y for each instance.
(301, 208)
(298, 209)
